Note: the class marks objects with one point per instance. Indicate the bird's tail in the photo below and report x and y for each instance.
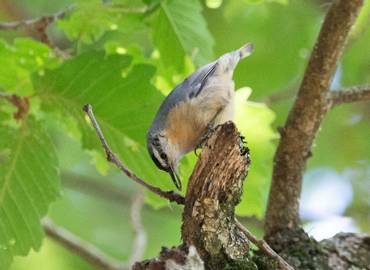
(228, 61)
(245, 51)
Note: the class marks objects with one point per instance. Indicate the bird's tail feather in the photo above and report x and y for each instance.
(246, 50)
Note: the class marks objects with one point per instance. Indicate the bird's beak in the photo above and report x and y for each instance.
(175, 178)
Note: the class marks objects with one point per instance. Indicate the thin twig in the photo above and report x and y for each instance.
(139, 10)
(94, 187)
(5, 95)
(264, 247)
(39, 25)
(139, 244)
(85, 250)
(353, 94)
(111, 157)
(304, 120)
(31, 23)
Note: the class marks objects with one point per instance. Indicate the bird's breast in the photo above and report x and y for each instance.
(188, 120)
(186, 124)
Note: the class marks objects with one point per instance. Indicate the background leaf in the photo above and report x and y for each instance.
(180, 30)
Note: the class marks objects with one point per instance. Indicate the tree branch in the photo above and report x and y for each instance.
(85, 250)
(353, 94)
(36, 22)
(39, 25)
(138, 247)
(111, 157)
(305, 117)
(5, 95)
(264, 247)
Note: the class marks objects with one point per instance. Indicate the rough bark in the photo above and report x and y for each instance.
(215, 187)
(342, 252)
(305, 118)
(177, 258)
(348, 251)
(353, 94)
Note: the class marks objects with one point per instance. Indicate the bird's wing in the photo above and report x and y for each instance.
(199, 79)
(188, 89)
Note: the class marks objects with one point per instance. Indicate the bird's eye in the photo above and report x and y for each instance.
(164, 156)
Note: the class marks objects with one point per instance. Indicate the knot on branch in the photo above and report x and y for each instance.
(214, 189)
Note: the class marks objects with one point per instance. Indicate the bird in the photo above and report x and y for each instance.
(204, 100)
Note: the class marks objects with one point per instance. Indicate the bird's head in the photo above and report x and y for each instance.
(165, 155)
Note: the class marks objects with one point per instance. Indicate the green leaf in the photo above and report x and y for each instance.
(91, 19)
(19, 60)
(179, 30)
(254, 120)
(87, 23)
(124, 103)
(29, 181)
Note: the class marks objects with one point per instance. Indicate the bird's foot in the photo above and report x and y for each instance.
(204, 138)
(244, 150)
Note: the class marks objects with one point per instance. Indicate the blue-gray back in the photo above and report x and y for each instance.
(188, 89)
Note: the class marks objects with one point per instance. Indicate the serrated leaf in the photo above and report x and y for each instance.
(29, 181)
(179, 30)
(124, 103)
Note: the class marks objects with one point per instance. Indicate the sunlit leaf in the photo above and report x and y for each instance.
(29, 182)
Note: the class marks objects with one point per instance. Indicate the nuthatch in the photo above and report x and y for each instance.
(202, 101)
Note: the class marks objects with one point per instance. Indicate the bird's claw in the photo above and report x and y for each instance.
(244, 150)
(204, 138)
(242, 138)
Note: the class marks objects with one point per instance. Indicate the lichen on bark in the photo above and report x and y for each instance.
(214, 189)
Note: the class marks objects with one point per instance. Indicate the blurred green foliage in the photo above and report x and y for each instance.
(122, 56)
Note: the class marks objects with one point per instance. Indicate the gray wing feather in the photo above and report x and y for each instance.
(189, 88)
